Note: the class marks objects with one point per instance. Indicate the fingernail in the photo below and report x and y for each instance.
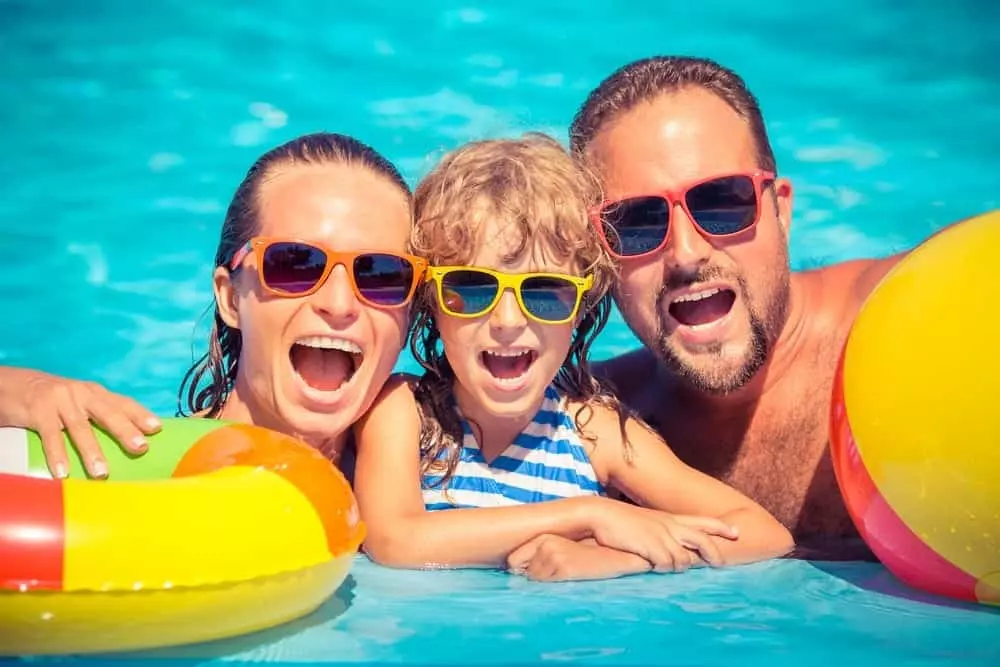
(100, 468)
(153, 422)
(61, 472)
(139, 443)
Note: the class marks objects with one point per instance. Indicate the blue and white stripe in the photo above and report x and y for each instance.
(547, 461)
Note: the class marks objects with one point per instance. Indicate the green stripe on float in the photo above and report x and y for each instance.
(165, 451)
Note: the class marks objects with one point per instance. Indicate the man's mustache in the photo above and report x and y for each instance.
(676, 280)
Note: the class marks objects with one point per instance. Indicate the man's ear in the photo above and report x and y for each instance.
(783, 195)
(225, 297)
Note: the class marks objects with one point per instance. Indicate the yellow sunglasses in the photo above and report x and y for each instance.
(467, 291)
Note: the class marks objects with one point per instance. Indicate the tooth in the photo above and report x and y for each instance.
(508, 353)
(697, 296)
(329, 343)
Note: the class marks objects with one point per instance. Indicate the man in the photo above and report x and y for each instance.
(739, 352)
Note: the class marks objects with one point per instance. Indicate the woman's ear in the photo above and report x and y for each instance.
(225, 297)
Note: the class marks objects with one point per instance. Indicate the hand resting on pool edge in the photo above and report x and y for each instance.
(49, 404)
(555, 558)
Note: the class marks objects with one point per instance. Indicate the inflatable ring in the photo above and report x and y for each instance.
(915, 435)
(218, 530)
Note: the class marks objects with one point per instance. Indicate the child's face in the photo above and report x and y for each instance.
(503, 360)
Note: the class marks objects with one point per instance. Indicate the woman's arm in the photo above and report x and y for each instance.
(49, 404)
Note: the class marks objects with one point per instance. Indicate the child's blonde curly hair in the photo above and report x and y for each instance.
(542, 197)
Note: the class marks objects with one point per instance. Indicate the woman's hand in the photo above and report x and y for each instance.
(49, 404)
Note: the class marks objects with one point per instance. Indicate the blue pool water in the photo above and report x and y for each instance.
(782, 612)
(126, 127)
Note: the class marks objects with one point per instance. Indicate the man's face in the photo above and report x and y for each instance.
(710, 308)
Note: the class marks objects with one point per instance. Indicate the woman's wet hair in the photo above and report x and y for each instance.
(208, 383)
(542, 196)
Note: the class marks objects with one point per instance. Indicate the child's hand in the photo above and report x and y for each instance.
(671, 542)
(556, 558)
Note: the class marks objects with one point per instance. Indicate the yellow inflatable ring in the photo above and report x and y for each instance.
(247, 529)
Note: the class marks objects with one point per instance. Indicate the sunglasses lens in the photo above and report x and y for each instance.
(292, 268)
(636, 225)
(549, 298)
(724, 206)
(468, 292)
(384, 280)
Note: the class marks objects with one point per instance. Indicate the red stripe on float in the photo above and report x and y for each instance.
(32, 533)
(902, 552)
(856, 486)
(909, 558)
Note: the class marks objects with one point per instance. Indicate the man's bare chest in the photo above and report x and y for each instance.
(774, 455)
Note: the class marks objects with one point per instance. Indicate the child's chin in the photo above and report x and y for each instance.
(512, 403)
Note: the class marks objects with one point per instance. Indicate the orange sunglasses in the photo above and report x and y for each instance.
(296, 268)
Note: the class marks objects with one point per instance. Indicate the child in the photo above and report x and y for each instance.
(518, 442)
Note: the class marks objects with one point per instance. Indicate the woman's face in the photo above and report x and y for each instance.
(312, 365)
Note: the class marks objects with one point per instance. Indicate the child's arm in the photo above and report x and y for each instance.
(555, 558)
(656, 478)
(402, 533)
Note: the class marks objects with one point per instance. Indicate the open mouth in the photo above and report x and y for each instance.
(508, 365)
(704, 307)
(325, 363)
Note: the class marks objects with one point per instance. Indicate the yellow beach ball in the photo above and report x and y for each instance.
(915, 423)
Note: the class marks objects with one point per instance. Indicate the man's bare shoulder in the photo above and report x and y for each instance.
(839, 290)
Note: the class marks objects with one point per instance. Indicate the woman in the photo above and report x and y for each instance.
(312, 291)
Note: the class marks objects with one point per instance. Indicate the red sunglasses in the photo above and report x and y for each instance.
(720, 206)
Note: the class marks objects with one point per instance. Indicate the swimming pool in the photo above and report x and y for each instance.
(127, 128)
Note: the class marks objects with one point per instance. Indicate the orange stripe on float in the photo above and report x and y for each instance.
(32, 533)
(311, 473)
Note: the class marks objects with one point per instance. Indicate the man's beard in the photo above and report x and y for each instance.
(721, 378)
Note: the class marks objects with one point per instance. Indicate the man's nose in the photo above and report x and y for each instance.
(687, 247)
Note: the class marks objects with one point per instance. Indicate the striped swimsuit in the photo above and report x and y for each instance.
(546, 461)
